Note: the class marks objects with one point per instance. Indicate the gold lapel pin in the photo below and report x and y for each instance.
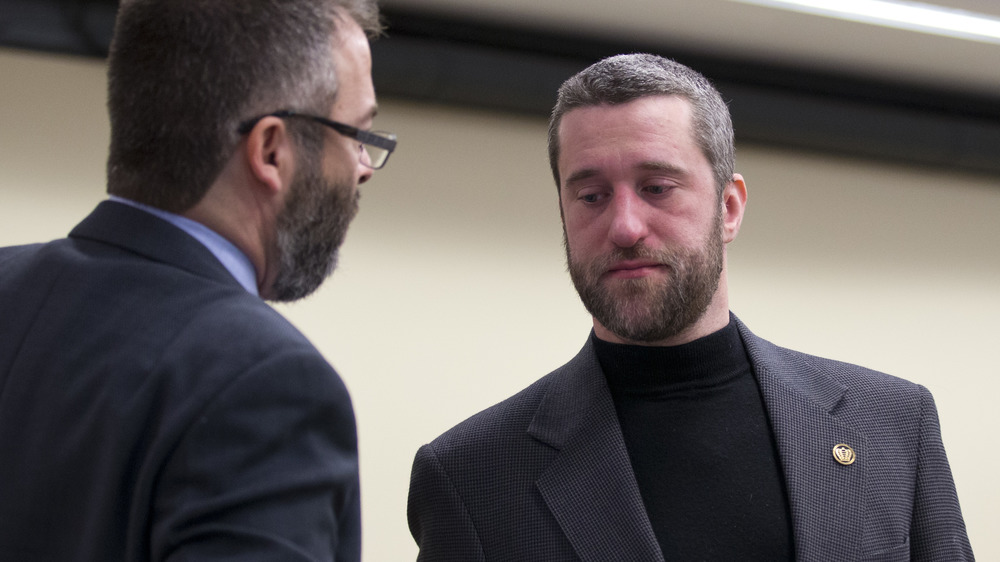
(844, 454)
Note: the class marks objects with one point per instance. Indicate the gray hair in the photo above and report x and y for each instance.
(624, 78)
(183, 74)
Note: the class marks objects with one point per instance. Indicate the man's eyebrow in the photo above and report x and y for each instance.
(369, 116)
(366, 117)
(656, 166)
(649, 166)
(582, 175)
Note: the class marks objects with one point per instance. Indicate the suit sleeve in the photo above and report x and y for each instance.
(438, 518)
(267, 471)
(938, 530)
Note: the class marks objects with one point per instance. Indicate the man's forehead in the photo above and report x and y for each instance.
(649, 115)
(657, 99)
(663, 113)
(355, 99)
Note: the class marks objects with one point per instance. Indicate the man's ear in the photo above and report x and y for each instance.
(734, 203)
(270, 154)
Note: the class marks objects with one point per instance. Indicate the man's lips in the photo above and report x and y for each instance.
(632, 269)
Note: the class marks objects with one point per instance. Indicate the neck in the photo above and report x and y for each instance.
(226, 209)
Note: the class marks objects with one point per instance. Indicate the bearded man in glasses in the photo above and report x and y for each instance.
(152, 406)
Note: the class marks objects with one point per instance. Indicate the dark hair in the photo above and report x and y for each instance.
(624, 78)
(182, 75)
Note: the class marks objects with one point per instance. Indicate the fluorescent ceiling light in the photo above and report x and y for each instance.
(913, 16)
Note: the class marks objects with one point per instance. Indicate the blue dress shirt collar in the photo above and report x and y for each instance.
(235, 261)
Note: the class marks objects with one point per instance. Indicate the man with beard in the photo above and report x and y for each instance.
(152, 406)
(676, 433)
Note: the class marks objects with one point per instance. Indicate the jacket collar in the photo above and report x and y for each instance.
(826, 498)
(590, 487)
(142, 233)
(773, 365)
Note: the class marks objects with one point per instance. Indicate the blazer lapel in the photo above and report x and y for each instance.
(590, 487)
(825, 496)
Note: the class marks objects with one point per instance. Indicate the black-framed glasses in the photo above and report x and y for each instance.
(377, 145)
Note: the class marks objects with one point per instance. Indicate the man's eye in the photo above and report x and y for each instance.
(656, 189)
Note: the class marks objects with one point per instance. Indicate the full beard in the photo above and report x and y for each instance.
(310, 230)
(647, 310)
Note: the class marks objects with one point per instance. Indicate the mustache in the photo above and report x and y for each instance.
(664, 257)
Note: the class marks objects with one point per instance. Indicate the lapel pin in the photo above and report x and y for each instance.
(844, 454)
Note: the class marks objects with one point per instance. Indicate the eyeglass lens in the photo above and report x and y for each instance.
(374, 156)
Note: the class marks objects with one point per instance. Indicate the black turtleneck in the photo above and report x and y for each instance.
(701, 448)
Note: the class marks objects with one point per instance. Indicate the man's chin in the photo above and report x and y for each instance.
(302, 281)
(630, 292)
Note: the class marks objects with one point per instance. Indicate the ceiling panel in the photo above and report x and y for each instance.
(731, 29)
(790, 78)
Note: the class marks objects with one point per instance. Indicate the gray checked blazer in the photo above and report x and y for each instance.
(544, 475)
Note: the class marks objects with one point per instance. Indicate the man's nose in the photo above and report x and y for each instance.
(363, 171)
(628, 220)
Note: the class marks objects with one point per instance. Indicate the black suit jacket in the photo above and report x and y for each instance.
(152, 409)
(544, 475)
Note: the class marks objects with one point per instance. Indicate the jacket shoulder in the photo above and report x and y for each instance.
(856, 378)
(496, 426)
(801, 369)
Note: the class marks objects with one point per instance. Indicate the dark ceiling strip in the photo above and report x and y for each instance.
(77, 27)
(443, 59)
(582, 50)
(437, 58)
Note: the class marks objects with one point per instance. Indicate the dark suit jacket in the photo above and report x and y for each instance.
(152, 409)
(545, 474)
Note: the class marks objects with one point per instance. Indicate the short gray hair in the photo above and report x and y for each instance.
(624, 78)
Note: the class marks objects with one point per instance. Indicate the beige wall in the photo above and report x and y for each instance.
(452, 292)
